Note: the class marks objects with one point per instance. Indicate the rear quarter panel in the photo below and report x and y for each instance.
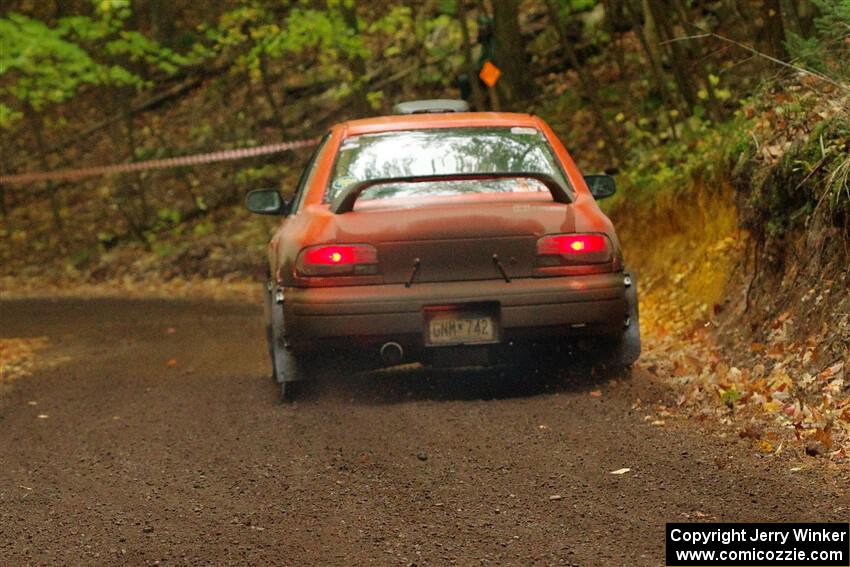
(588, 216)
(304, 226)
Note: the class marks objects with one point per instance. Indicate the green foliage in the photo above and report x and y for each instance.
(661, 165)
(440, 37)
(334, 41)
(41, 67)
(730, 397)
(829, 50)
(393, 31)
(106, 35)
(44, 65)
(253, 31)
(167, 223)
(268, 174)
(569, 7)
(8, 116)
(203, 229)
(375, 99)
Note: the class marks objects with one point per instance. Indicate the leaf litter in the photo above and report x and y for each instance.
(18, 356)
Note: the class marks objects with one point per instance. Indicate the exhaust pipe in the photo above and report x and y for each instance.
(392, 353)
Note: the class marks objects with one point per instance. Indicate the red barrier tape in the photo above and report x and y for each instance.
(224, 155)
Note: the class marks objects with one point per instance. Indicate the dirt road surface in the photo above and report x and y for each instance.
(164, 442)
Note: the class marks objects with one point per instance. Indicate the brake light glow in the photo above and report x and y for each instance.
(329, 255)
(573, 254)
(338, 260)
(572, 244)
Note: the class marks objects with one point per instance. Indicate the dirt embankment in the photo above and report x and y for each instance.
(751, 330)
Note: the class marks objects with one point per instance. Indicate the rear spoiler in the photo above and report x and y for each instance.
(344, 202)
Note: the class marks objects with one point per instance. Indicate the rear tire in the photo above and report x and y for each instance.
(624, 350)
(290, 370)
(289, 391)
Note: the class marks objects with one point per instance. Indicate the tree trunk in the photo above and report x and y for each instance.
(806, 12)
(357, 63)
(651, 54)
(654, 66)
(589, 88)
(792, 17)
(774, 30)
(140, 184)
(510, 51)
(469, 63)
(677, 56)
(52, 191)
(740, 10)
(268, 92)
(616, 24)
(184, 174)
(650, 33)
(162, 20)
(697, 57)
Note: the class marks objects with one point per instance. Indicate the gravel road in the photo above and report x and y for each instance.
(164, 443)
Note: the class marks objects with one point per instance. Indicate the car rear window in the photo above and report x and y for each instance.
(441, 151)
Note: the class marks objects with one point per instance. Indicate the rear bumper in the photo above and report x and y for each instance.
(529, 309)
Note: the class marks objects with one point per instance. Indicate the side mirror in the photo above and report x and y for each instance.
(266, 202)
(600, 186)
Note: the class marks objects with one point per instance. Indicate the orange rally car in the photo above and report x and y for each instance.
(445, 237)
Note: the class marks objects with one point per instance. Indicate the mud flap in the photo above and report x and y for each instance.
(625, 350)
(285, 366)
(267, 315)
(629, 347)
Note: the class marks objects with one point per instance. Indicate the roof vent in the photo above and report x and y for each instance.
(431, 106)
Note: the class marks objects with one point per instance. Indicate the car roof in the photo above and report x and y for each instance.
(438, 120)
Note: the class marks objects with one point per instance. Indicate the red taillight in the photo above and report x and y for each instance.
(563, 254)
(329, 255)
(572, 244)
(338, 260)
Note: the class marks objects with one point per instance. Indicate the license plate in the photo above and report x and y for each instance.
(461, 328)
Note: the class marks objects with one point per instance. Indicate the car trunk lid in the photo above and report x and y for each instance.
(489, 240)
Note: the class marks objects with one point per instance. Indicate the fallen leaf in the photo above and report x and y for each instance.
(171, 362)
(18, 356)
(824, 436)
(620, 471)
(832, 370)
(765, 446)
(752, 431)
